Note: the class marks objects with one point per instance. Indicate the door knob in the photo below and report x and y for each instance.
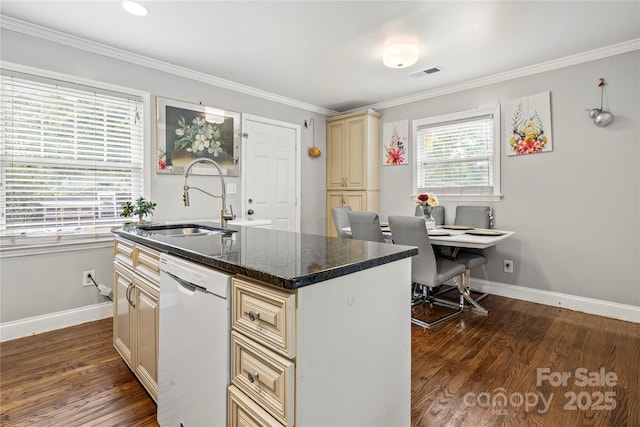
(250, 212)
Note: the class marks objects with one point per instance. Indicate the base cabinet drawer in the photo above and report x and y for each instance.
(244, 412)
(264, 313)
(264, 376)
(123, 252)
(147, 263)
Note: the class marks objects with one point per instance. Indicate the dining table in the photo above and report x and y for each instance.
(458, 237)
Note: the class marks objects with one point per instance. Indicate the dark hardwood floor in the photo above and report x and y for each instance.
(506, 369)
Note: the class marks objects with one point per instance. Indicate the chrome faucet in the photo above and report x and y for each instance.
(224, 215)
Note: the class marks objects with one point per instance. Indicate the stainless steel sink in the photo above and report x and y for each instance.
(182, 230)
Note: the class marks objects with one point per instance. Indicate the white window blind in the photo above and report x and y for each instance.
(71, 156)
(457, 156)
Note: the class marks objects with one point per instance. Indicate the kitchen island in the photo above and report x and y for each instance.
(334, 314)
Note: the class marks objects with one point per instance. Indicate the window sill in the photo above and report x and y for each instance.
(25, 246)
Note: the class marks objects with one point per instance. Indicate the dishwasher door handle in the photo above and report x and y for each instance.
(185, 287)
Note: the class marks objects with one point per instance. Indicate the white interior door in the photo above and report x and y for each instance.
(270, 171)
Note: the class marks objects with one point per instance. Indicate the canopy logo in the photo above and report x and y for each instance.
(501, 401)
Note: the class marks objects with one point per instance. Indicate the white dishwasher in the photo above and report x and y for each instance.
(193, 361)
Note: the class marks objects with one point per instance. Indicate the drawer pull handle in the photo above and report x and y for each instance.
(253, 376)
(253, 316)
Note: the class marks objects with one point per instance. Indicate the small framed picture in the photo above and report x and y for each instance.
(529, 125)
(395, 143)
(187, 131)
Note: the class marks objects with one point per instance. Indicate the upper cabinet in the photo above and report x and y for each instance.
(353, 152)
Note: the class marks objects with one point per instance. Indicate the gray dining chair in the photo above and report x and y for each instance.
(427, 270)
(477, 217)
(365, 226)
(437, 213)
(341, 220)
(474, 216)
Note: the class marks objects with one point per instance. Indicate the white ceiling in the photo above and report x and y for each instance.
(329, 54)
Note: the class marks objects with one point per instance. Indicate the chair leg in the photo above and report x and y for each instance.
(419, 294)
(467, 277)
(460, 285)
(465, 291)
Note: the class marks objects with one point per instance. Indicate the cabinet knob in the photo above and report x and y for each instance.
(252, 376)
(253, 316)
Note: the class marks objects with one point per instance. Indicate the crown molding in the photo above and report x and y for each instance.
(101, 49)
(44, 33)
(580, 58)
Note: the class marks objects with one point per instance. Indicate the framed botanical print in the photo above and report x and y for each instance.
(395, 140)
(529, 126)
(187, 131)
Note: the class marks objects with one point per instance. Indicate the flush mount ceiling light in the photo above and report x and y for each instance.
(400, 55)
(134, 8)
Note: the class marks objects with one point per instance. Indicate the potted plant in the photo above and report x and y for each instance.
(140, 207)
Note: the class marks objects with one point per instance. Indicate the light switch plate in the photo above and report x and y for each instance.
(231, 188)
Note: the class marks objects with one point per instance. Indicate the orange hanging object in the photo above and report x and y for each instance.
(314, 151)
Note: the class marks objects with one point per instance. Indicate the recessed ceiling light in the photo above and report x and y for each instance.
(134, 8)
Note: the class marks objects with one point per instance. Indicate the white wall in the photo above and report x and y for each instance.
(42, 284)
(576, 210)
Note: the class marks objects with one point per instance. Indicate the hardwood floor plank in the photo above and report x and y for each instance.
(460, 370)
(70, 377)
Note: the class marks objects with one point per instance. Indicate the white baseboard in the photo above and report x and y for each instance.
(62, 319)
(614, 310)
(49, 322)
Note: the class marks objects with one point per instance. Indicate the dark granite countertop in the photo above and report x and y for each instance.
(285, 259)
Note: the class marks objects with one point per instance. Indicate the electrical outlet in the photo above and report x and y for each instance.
(86, 281)
(508, 266)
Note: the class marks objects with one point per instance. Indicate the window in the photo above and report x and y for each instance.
(458, 155)
(71, 156)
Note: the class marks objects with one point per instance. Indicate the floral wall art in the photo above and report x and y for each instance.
(186, 131)
(395, 143)
(529, 125)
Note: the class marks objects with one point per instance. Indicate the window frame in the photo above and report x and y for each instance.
(15, 245)
(496, 194)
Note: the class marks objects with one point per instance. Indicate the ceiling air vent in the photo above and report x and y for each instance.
(425, 72)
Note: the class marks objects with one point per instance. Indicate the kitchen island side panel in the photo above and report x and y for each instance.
(354, 349)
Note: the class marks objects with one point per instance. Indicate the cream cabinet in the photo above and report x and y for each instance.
(263, 350)
(136, 310)
(353, 152)
(321, 354)
(123, 312)
(358, 200)
(353, 163)
(242, 411)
